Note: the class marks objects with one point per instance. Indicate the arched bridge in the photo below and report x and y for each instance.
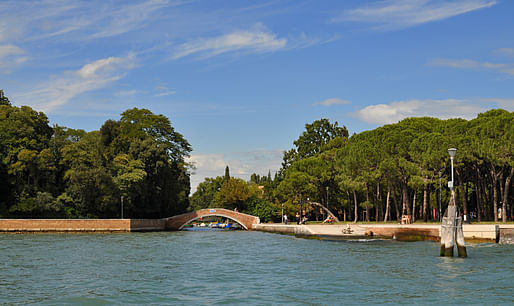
(178, 222)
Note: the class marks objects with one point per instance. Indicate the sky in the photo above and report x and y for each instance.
(240, 79)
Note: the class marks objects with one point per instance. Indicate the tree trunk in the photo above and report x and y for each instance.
(479, 199)
(356, 218)
(425, 200)
(377, 204)
(506, 194)
(386, 216)
(495, 193)
(414, 207)
(485, 200)
(405, 198)
(367, 204)
(396, 207)
(463, 194)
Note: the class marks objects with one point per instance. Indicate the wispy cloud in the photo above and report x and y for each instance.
(165, 93)
(11, 55)
(125, 93)
(91, 76)
(241, 164)
(506, 51)
(398, 110)
(129, 17)
(257, 39)
(332, 101)
(397, 14)
(82, 19)
(471, 64)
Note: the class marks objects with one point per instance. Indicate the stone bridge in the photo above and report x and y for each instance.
(178, 222)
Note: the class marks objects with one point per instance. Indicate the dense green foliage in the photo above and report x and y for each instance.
(139, 160)
(61, 172)
(397, 169)
(382, 174)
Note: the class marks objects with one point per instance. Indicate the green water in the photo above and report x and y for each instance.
(250, 268)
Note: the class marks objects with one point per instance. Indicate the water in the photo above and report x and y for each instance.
(251, 268)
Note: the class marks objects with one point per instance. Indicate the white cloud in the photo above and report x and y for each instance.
(241, 164)
(471, 64)
(396, 14)
(506, 104)
(332, 101)
(396, 111)
(255, 40)
(11, 55)
(91, 76)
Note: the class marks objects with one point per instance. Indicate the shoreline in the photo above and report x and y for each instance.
(493, 233)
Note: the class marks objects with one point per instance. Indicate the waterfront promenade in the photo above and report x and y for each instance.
(472, 232)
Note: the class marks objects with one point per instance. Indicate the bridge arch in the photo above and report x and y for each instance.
(178, 222)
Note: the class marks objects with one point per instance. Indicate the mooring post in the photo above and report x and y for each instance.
(448, 227)
(461, 246)
(451, 225)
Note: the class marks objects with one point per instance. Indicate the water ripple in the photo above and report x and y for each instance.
(251, 268)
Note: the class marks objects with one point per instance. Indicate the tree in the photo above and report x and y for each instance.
(265, 210)
(205, 193)
(88, 182)
(314, 139)
(24, 134)
(155, 156)
(3, 99)
(130, 174)
(233, 194)
(227, 173)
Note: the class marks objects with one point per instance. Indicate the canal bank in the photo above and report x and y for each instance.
(80, 225)
(472, 232)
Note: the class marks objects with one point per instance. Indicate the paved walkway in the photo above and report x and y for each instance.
(429, 231)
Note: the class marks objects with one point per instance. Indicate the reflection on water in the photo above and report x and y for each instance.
(238, 267)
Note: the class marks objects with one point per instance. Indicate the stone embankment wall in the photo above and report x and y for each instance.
(81, 225)
(506, 234)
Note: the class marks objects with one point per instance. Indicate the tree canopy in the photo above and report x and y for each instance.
(60, 172)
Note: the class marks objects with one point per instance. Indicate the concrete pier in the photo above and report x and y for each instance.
(472, 232)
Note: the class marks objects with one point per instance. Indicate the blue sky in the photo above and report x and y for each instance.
(240, 79)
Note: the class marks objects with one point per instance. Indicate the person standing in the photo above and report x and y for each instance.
(285, 219)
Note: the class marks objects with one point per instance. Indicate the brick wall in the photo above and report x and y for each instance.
(81, 225)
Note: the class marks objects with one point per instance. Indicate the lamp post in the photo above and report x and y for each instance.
(452, 153)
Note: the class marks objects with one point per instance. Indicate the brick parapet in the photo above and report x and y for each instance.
(177, 222)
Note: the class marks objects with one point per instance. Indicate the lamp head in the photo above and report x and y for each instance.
(452, 152)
